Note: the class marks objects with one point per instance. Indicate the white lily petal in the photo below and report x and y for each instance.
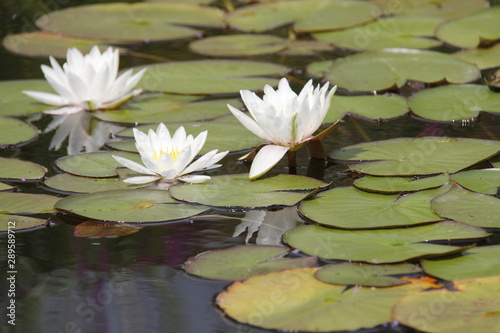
(65, 110)
(141, 179)
(249, 123)
(133, 165)
(267, 157)
(46, 98)
(195, 179)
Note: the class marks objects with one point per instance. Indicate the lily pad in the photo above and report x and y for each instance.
(392, 68)
(26, 203)
(131, 206)
(205, 77)
(6, 187)
(475, 300)
(382, 245)
(481, 28)
(350, 208)
(129, 22)
(238, 191)
(482, 58)
(294, 300)
(69, 184)
(98, 164)
(315, 15)
(238, 45)
(484, 181)
(380, 107)
(12, 169)
(473, 208)
(14, 103)
(15, 132)
(442, 8)
(473, 263)
(302, 47)
(454, 102)
(241, 262)
(399, 184)
(416, 156)
(349, 273)
(157, 108)
(413, 32)
(20, 223)
(44, 44)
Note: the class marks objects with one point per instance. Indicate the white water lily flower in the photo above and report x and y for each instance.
(87, 82)
(284, 119)
(168, 157)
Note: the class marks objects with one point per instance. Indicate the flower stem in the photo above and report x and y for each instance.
(292, 162)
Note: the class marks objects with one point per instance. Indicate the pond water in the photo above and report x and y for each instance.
(135, 283)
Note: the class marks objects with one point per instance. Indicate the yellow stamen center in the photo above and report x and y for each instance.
(174, 153)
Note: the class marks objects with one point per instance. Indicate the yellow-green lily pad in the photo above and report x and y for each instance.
(399, 184)
(6, 187)
(20, 223)
(238, 45)
(26, 203)
(483, 180)
(69, 184)
(482, 58)
(15, 170)
(447, 9)
(14, 103)
(380, 107)
(15, 132)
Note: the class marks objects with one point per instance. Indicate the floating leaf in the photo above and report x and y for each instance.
(391, 68)
(399, 184)
(239, 191)
(14, 132)
(380, 107)
(454, 102)
(238, 45)
(96, 229)
(126, 22)
(473, 263)
(380, 246)
(210, 76)
(473, 307)
(44, 44)
(350, 208)
(240, 262)
(416, 156)
(479, 28)
(26, 203)
(349, 273)
(411, 32)
(132, 206)
(306, 47)
(69, 184)
(157, 108)
(308, 16)
(6, 187)
(294, 300)
(12, 169)
(98, 164)
(14, 103)
(484, 181)
(20, 223)
(482, 58)
(473, 208)
(443, 8)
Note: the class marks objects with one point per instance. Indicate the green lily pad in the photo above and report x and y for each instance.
(477, 29)
(14, 103)
(6, 187)
(26, 203)
(392, 68)
(20, 223)
(131, 206)
(473, 307)
(199, 2)
(416, 156)
(44, 44)
(129, 22)
(241, 262)
(306, 47)
(315, 15)
(98, 164)
(484, 181)
(380, 107)
(413, 32)
(15, 132)
(455, 102)
(12, 169)
(349, 273)
(238, 45)
(482, 58)
(294, 300)
(238, 191)
(442, 8)
(218, 133)
(69, 184)
(473, 208)
(157, 108)
(350, 208)
(473, 263)
(399, 184)
(382, 245)
(210, 76)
